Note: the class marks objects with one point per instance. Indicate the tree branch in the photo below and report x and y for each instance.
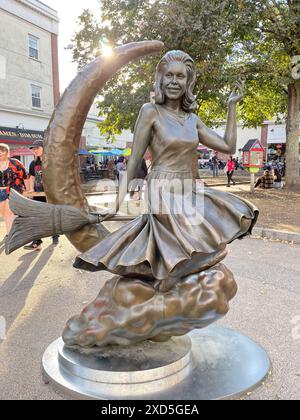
(278, 8)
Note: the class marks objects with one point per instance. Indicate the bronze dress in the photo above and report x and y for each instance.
(186, 227)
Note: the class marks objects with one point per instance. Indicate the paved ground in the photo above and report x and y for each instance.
(40, 291)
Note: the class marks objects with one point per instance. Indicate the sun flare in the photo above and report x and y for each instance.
(107, 51)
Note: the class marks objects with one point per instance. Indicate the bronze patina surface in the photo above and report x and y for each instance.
(128, 311)
(65, 128)
(170, 279)
(162, 254)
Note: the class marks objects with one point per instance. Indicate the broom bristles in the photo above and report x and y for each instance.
(37, 220)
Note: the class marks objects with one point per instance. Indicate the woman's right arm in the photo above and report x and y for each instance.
(31, 177)
(31, 183)
(141, 140)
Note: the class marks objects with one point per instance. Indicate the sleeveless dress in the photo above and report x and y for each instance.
(186, 226)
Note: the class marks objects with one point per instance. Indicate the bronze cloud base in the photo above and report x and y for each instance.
(128, 311)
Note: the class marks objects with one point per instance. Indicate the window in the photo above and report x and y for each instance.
(36, 96)
(33, 47)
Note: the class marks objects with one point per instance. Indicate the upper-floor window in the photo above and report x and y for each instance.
(33, 43)
(36, 96)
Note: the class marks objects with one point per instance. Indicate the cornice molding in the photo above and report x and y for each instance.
(40, 9)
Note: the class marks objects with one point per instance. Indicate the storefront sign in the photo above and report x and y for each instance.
(16, 135)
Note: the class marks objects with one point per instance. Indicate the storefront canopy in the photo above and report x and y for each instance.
(83, 152)
(112, 152)
(21, 151)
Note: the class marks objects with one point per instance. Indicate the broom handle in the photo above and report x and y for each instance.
(114, 217)
(120, 218)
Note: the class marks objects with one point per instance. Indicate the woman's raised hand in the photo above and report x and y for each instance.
(238, 93)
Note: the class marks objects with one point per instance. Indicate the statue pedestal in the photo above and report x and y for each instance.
(213, 363)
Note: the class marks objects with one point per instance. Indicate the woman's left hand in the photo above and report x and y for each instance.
(107, 216)
(237, 94)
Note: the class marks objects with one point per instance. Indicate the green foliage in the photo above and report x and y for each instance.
(253, 39)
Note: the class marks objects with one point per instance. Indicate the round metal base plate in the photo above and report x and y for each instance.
(221, 364)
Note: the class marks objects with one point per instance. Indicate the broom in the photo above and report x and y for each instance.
(36, 220)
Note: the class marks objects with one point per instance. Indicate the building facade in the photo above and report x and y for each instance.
(29, 78)
(273, 139)
(271, 135)
(93, 139)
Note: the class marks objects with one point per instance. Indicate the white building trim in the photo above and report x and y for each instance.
(39, 14)
(33, 113)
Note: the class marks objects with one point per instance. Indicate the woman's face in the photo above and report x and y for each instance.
(3, 154)
(174, 80)
(38, 151)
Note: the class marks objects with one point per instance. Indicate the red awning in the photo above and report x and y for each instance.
(21, 151)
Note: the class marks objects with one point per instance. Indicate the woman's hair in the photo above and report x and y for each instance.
(5, 147)
(188, 100)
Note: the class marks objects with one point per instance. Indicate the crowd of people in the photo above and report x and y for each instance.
(114, 168)
(13, 175)
(272, 177)
(109, 168)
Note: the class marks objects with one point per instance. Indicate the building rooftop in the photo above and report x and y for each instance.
(42, 7)
(44, 4)
(249, 145)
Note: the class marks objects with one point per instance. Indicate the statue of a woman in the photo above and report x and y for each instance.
(169, 276)
(175, 237)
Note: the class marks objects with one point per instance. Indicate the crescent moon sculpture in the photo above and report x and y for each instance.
(64, 132)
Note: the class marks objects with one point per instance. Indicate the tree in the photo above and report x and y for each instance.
(268, 56)
(258, 40)
(279, 22)
(204, 29)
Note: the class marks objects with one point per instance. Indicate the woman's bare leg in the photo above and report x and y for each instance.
(2, 210)
(9, 217)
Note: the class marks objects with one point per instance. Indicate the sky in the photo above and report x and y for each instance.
(68, 12)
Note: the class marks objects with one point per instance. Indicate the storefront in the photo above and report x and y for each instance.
(276, 141)
(18, 140)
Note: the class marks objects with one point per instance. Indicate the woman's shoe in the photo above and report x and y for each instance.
(34, 246)
(55, 240)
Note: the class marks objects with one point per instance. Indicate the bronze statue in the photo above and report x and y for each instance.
(168, 261)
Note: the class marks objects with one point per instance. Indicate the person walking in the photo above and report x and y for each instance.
(230, 171)
(12, 176)
(139, 182)
(277, 178)
(120, 167)
(236, 163)
(36, 185)
(215, 165)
